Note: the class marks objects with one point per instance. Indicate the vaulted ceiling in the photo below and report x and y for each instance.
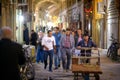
(52, 6)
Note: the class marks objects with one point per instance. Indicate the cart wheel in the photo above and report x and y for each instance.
(75, 76)
(97, 77)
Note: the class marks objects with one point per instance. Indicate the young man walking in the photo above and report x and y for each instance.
(57, 55)
(48, 42)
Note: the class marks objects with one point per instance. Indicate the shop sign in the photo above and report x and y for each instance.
(101, 8)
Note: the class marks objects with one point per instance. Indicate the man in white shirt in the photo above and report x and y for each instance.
(48, 42)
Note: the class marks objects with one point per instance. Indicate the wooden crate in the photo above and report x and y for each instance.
(75, 60)
(86, 68)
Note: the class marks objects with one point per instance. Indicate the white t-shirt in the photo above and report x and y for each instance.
(48, 42)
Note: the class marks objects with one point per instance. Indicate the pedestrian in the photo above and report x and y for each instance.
(26, 35)
(40, 54)
(78, 37)
(66, 45)
(48, 42)
(11, 56)
(57, 55)
(33, 39)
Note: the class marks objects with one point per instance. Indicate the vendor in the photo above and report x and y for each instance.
(86, 43)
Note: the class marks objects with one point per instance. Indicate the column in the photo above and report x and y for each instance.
(112, 21)
(13, 19)
(3, 17)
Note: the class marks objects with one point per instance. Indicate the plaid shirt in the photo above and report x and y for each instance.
(67, 42)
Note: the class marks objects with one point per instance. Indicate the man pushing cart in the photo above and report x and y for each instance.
(84, 66)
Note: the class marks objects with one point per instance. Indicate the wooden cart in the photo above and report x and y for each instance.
(86, 68)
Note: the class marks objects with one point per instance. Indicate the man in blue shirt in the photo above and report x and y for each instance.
(57, 55)
(86, 43)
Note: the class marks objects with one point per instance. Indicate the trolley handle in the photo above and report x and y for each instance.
(86, 48)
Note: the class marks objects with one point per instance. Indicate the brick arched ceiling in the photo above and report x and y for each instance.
(53, 6)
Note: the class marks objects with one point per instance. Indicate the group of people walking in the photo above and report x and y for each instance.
(60, 46)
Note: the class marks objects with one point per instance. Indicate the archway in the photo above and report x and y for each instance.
(42, 8)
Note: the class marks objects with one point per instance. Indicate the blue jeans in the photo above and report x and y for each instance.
(57, 57)
(40, 55)
(50, 54)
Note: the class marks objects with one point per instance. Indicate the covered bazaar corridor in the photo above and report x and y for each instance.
(100, 19)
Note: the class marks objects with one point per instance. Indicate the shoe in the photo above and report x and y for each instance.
(59, 65)
(64, 71)
(50, 71)
(55, 68)
(45, 67)
(67, 70)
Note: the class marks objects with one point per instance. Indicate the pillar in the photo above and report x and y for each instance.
(112, 21)
(97, 24)
(3, 17)
(12, 19)
(8, 16)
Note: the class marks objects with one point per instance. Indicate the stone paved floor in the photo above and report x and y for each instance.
(111, 71)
